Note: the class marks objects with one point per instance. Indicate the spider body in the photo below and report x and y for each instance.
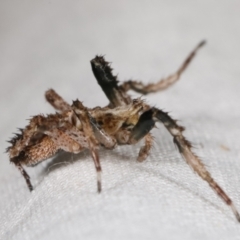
(75, 127)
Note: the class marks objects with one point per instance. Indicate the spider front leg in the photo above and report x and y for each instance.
(56, 101)
(146, 123)
(163, 83)
(83, 115)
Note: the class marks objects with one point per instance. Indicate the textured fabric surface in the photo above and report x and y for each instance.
(48, 44)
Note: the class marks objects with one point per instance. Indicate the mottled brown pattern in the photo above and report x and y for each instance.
(163, 83)
(40, 151)
(123, 121)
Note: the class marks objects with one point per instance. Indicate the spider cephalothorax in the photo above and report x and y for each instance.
(124, 121)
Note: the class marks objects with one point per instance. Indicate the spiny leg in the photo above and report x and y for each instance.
(163, 83)
(56, 101)
(108, 82)
(83, 115)
(184, 148)
(144, 125)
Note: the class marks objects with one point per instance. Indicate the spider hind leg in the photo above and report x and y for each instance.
(192, 160)
(164, 83)
(146, 123)
(84, 116)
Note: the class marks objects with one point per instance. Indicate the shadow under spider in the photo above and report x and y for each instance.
(63, 158)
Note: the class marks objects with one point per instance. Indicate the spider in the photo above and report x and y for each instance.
(124, 120)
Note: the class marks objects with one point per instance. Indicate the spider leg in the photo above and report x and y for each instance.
(25, 175)
(56, 101)
(71, 139)
(145, 124)
(122, 137)
(163, 83)
(105, 139)
(84, 117)
(145, 150)
(108, 82)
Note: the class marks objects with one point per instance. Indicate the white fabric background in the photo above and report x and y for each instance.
(48, 44)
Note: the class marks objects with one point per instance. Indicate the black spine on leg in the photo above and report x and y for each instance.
(108, 82)
(143, 126)
(165, 118)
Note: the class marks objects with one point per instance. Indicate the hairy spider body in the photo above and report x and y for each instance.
(124, 121)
